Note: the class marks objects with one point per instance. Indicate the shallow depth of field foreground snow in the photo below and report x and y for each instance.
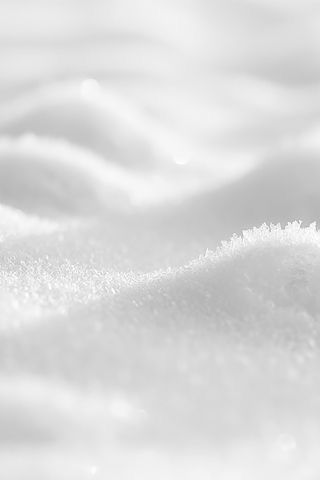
(159, 248)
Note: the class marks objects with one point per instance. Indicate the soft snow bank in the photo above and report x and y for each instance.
(15, 223)
(94, 117)
(61, 179)
(265, 274)
(189, 346)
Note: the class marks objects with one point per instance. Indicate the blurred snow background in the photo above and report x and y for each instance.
(233, 77)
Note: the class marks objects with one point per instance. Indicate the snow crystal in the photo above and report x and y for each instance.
(273, 235)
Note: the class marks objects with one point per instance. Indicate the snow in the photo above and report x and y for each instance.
(159, 248)
(172, 358)
(60, 178)
(85, 113)
(15, 223)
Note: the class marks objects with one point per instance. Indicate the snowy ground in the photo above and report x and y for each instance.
(159, 260)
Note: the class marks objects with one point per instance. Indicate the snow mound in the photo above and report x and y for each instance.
(179, 344)
(266, 272)
(190, 343)
(60, 178)
(86, 114)
(15, 223)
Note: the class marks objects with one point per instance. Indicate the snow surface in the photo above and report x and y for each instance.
(159, 249)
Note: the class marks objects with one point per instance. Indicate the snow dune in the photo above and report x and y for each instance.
(85, 113)
(16, 224)
(220, 356)
(265, 270)
(61, 179)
